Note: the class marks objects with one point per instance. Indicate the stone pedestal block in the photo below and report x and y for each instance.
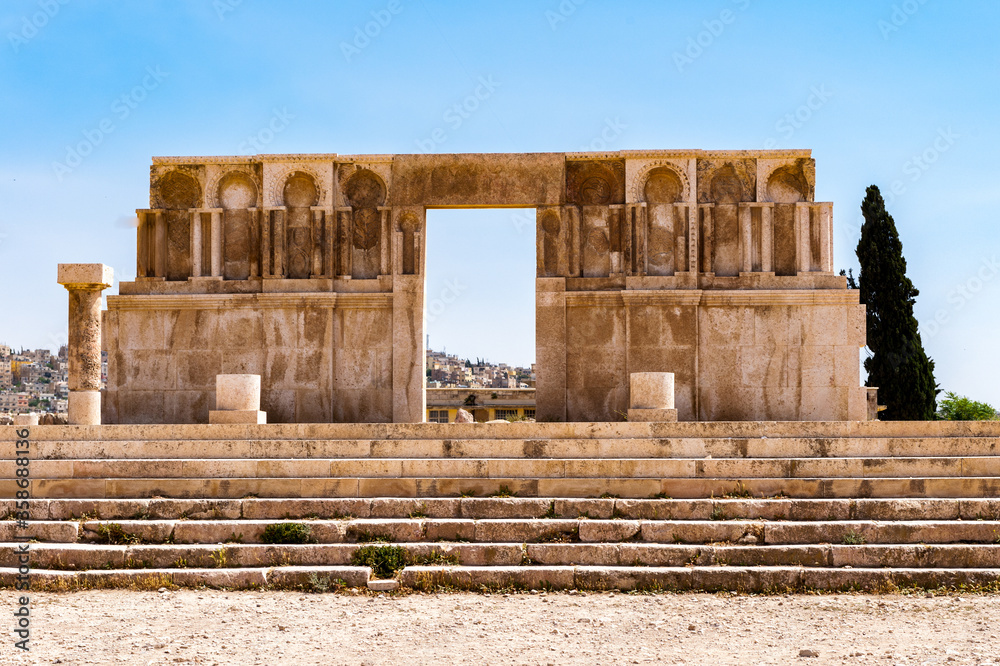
(651, 396)
(85, 282)
(237, 392)
(26, 419)
(237, 400)
(84, 408)
(252, 416)
(651, 390)
(652, 415)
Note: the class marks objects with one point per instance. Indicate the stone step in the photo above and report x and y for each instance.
(762, 579)
(553, 530)
(514, 468)
(534, 447)
(709, 579)
(500, 431)
(312, 578)
(628, 487)
(79, 557)
(512, 507)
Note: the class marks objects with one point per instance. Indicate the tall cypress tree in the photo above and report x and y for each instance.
(899, 366)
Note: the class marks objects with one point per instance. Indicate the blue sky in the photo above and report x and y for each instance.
(883, 92)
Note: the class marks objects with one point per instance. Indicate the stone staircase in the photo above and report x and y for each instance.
(708, 506)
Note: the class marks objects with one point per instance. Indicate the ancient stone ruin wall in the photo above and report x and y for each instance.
(309, 270)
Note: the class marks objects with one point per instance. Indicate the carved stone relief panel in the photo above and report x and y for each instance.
(235, 194)
(176, 192)
(300, 194)
(727, 181)
(552, 243)
(366, 194)
(595, 182)
(596, 232)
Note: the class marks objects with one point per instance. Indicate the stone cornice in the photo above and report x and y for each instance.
(572, 156)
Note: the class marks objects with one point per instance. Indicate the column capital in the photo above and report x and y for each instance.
(90, 277)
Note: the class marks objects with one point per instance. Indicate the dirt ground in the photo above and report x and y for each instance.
(214, 627)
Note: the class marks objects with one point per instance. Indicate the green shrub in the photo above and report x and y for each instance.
(385, 561)
(287, 533)
(954, 407)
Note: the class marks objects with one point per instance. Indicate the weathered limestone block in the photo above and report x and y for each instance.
(237, 400)
(651, 397)
(651, 390)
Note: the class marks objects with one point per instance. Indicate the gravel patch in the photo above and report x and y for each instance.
(218, 627)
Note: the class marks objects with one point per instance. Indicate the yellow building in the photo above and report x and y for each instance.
(484, 404)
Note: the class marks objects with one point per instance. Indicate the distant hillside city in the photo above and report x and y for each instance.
(448, 371)
(35, 381)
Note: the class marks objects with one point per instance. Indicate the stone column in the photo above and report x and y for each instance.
(85, 282)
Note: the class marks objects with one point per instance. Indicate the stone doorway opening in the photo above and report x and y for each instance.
(479, 305)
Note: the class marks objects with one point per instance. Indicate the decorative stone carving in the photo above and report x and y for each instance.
(299, 195)
(366, 228)
(276, 175)
(551, 249)
(366, 193)
(381, 168)
(177, 189)
(663, 185)
(595, 183)
(727, 181)
(364, 190)
(177, 193)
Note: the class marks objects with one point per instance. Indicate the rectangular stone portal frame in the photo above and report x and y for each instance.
(309, 271)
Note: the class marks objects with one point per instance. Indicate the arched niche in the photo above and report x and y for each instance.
(299, 194)
(366, 193)
(663, 185)
(177, 193)
(663, 189)
(236, 194)
(787, 185)
(551, 226)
